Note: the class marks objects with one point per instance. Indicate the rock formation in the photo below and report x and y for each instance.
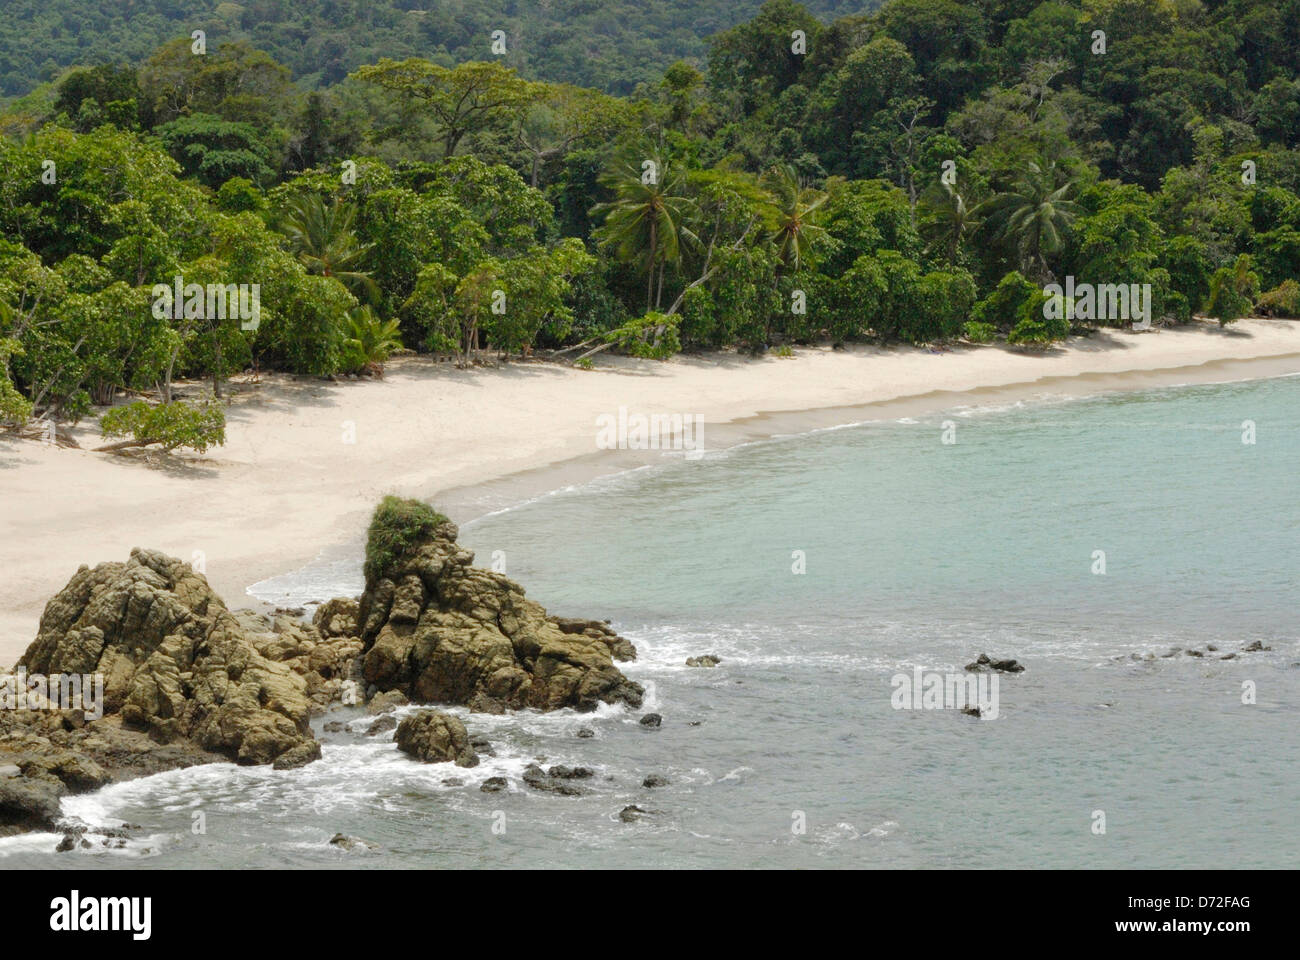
(187, 681)
(442, 631)
(436, 737)
(174, 660)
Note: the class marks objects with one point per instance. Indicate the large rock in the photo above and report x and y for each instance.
(175, 662)
(440, 630)
(436, 737)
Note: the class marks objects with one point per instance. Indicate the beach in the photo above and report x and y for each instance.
(306, 460)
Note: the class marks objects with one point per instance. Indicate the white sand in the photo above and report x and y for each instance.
(285, 485)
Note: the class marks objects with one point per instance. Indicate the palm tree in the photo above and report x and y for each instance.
(321, 237)
(1036, 214)
(793, 232)
(946, 220)
(647, 218)
(368, 341)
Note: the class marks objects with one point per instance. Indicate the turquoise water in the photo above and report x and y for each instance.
(917, 554)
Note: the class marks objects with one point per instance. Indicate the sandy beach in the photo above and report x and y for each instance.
(305, 460)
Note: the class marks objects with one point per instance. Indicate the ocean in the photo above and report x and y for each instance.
(1084, 537)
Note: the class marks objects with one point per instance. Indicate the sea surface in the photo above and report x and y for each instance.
(818, 568)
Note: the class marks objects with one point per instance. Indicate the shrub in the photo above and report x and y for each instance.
(1282, 301)
(1002, 309)
(1038, 325)
(1232, 291)
(396, 525)
(977, 332)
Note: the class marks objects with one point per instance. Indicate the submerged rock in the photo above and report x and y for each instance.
(632, 813)
(382, 725)
(651, 720)
(707, 660)
(655, 780)
(984, 663)
(436, 737)
(494, 785)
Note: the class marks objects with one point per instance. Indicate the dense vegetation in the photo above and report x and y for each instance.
(917, 174)
(611, 45)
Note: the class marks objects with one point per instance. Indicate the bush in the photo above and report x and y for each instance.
(977, 332)
(169, 425)
(1035, 326)
(1004, 307)
(396, 526)
(1282, 301)
(1232, 291)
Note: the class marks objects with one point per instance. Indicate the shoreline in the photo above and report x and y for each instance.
(288, 487)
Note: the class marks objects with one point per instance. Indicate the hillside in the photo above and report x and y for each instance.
(605, 44)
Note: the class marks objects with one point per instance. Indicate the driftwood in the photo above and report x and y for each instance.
(37, 430)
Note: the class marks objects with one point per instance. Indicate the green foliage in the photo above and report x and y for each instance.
(1002, 308)
(396, 526)
(1233, 291)
(169, 425)
(977, 332)
(368, 342)
(653, 336)
(1041, 320)
(1282, 301)
(14, 407)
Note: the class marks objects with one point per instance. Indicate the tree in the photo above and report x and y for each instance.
(321, 236)
(169, 425)
(793, 230)
(463, 99)
(646, 221)
(1035, 213)
(1233, 291)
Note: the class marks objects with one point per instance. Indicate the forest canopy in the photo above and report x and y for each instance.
(924, 172)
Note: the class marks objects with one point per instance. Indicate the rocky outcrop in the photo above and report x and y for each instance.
(436, 737)
(174, 661)
(983, 663)
(440, 630)
(705, 660)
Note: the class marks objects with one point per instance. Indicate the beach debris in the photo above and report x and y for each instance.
(436, 737)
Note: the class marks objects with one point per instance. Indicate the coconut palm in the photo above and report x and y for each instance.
(946, 220)
(321, 236)
(793, 231)
(647, 219)
(1035, 214)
